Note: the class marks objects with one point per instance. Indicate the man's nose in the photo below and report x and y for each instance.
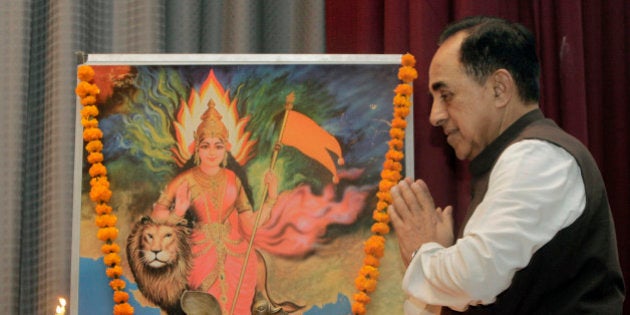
(438, 114)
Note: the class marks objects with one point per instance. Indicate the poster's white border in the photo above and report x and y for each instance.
(206, 59)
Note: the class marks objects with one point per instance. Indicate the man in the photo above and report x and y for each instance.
(539, 236)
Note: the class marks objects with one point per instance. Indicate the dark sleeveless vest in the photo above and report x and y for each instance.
(577, 271)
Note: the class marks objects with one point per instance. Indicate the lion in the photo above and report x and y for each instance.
(160, 259)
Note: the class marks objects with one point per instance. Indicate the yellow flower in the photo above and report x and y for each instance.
(123, 309)
(88, 100)
(396, 144)
(400, 100)
(380, 228)
(362, 298)
(404, 89)
(100, 193)
(109, 248)
(397, 133)
(117, 284)
(399, 122)
(97, 169)
(120, 297)
(371, 260)
(114, 272)
(407, 74)
(380, 216)
(369, 272)
(89, 111)
(394, 155)
(374, 246)
(95, 157)
(408, 60)
(392, 165)
(111, 259)
(85, 73)
(90, 134)
(384, 196)
(99, 181)
(94, 146)
(385, 185)
(103, 208)
(402, 111)
(107, 234)
(105, 220)
(358, 308)
(89, 123)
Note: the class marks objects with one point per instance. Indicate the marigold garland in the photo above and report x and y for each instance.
(100, 192)
(374, 247)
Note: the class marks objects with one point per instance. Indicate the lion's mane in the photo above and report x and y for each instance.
(161, 285)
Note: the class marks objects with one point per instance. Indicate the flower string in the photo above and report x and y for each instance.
(374, 247)
(100, 192)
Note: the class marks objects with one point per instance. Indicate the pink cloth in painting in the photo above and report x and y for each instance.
(219, 248)
(300, 218)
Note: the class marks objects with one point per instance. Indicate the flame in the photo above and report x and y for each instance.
(189, 117)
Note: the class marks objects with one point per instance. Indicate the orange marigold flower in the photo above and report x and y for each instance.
(404, 89)
(114, 272)
(94, 146)
(111, 259)
(103, 208)
(358, 308)
(97, 169)
(374, 246)
(89, 122)
(90, 134)
(394, 155)
(370, 260)
(107, 234)
(100, 194)
(384, 195)
(393, 165)
(401, 111)
(400, 100)
(398, 122)
(123, 309)
(391, 175)
(380, 216)
(380, 228)
(397, 133)
(89, 111)
(88, 100)
(407, 74)
(95, 157)
(408, 60)
(396, 144)
(121, 297)
(85, 73)
(83, 89)
(385, 185)
(361, 297)
(99, 181)
(381, 205)
(109, 248)
(369, 272)
(105, 220)
(117, 284)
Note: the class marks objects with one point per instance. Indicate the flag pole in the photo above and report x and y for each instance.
(288, 106)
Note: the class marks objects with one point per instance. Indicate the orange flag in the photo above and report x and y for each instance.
(308, 137)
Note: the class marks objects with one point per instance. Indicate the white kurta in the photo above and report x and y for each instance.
(534, 191)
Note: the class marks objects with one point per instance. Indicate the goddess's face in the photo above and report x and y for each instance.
(211, 152)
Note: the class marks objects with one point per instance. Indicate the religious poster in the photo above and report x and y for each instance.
(235, 184)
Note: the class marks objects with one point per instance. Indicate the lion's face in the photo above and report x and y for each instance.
(159, 245)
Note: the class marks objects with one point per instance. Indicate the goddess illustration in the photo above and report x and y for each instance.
(207, 210)
(223, 216)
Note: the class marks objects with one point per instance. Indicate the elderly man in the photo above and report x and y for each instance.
(538, 236)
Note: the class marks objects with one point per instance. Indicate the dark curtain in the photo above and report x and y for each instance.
(583, 47)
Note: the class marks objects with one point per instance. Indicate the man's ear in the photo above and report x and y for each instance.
(503, 86)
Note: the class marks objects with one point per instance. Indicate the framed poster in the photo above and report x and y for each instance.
(245, 182)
